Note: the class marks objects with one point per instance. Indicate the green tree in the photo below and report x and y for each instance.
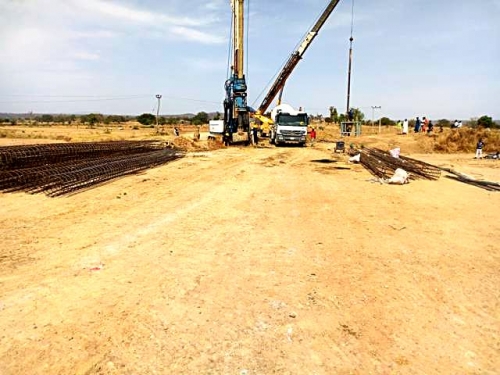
(334, 115)
(387, 121)
(358, 115)
(485, 122)
(94, 118)
(217, 116)
(146, 119)
(47, 118)
(200, 118)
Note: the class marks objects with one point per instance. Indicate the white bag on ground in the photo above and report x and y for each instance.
(355, 158)
(395, 152)
(400, 177)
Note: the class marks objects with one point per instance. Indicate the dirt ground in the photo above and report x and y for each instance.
(254, 261)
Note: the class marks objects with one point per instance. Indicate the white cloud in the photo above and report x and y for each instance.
(196, 35)
(126, 13)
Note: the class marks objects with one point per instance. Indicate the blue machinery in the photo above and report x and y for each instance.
(236, 110)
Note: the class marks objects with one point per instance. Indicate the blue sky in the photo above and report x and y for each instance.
(439, 59)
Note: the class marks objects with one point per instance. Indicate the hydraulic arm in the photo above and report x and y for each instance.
(294, 59)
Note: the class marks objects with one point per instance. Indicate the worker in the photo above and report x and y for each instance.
(405, 126)
(255, 136)
(479, 149)
(312, 135)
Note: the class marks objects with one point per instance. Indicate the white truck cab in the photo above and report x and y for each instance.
(290, 125)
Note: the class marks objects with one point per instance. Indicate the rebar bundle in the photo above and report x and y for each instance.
(26, 156)
(59, 169)
(382, 164)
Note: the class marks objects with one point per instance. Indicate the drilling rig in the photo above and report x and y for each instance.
(236, 123)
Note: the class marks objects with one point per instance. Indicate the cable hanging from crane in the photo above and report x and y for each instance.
(229, 49)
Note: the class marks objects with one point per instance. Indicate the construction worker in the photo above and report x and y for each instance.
(312, 135)
(255, 136)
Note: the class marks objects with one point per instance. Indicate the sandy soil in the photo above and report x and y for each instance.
(254, 261)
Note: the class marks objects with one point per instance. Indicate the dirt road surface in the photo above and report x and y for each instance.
(252, 261)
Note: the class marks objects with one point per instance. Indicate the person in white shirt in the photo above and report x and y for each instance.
(405, 126)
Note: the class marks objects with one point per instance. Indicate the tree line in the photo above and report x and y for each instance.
(357, 115)
(146, 119)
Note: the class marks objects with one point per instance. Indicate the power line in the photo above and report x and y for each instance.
(95, 99)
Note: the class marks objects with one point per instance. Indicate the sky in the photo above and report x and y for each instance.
(434, 58)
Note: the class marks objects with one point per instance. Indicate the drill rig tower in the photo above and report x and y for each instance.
(236, 110)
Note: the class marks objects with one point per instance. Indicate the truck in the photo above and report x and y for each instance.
(216, 129)
(288, 125)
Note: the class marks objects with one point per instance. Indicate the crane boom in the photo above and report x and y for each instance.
(296, 56)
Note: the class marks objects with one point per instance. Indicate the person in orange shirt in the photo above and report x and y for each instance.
(425, 125)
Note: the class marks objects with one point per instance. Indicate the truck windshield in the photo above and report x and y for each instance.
(292, 120)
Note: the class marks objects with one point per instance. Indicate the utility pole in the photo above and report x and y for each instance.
(350, 61)
(158, 96)
(349, 76)
(374, 107)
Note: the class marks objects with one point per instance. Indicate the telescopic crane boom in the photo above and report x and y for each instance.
(294, 59)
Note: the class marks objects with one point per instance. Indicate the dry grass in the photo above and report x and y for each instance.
(187, 144)
(465, 140)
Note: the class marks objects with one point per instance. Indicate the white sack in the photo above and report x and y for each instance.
(400, 177)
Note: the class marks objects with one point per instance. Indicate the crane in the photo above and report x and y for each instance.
(236, 121)
(290, 65)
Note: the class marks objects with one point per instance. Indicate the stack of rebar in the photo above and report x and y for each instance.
(59, 169)
(383, 165)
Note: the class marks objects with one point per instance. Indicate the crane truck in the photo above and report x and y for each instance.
(287, 125)
(235, 127)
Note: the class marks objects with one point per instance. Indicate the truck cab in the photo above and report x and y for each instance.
(289, 125)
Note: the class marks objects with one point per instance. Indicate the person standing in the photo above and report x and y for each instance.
(417, 125)
(399, 126)
(431, 127)
(405, 126)
(313, 136)
(255, 136)
(479, 149)
(425, 125)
